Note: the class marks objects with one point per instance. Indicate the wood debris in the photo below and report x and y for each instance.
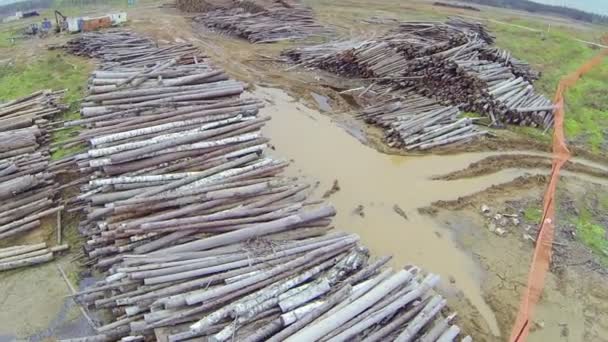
(28, 255)
(199, 234)
(266, 26)
(452, 63)
(27, 185)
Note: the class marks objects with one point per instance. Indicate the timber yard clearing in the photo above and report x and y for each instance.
(401, 120)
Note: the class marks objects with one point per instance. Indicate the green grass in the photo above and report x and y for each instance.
(533, 213)
(5, 38)
(592, 235)
(555, 54)
(603, 201)
(587, 109)
(50, 70)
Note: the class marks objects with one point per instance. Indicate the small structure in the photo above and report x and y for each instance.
(93, 24)
(85, 24)
(30, 14)
(118, 18)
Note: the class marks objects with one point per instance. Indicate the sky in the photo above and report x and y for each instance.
(595, 6)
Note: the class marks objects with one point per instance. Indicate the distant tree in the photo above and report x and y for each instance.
(24, 6)
(535, 7)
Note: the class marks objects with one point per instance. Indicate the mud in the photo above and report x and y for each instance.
(496, 163)
(573, 305)
(35, 306)
(378, 182)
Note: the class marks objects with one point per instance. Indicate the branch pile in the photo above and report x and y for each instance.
(27, 184)
(267, 26)
(199, 233)
(452, 62)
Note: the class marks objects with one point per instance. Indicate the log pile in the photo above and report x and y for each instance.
(452, 62)
(518, 67)
(252, 6)
(456, 5)
(27, 185)
(267, 26)
(199, 234)
(125, 48)
(28, 255)
(416, 122)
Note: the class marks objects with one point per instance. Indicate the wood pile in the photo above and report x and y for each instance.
(27, 184)
(416, 122)
(267, 26)
(518, 67)
(251, 6)
(456, 5)
(202, 5)
(28, 255)
(451, 62)
(126, 48)
(198, 233)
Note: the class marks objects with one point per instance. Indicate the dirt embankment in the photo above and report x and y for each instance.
(494, 164)
(495, 226)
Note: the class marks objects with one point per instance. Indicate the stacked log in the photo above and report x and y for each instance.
(28, 255)
(416, 122)
(456, 5)
(199, 233)
(267, 26)
(27, 185)
(518, 67)
(125, 48)
(451, 62)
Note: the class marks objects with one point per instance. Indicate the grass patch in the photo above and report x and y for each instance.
(592, 235)
(533, 213)
(51, 70)
(556, 54)
(470, 115)
(587, 109)
(5, 38)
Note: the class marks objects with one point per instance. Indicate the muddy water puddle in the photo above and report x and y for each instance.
(372, 184)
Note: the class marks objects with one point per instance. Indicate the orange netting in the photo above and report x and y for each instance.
(544, 240)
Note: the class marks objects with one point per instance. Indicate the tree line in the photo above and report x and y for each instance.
(535, 7)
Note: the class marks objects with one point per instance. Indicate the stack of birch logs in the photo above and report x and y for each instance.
(199, 234)
(268, 26)
(126, 48)
(416, 122)
(27, 186)
(27, 255)
(518, 67)
(451, 62)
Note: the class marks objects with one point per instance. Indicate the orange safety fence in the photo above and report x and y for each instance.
(544, 240)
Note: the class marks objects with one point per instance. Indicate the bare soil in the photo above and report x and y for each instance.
(520, 161)
(573, 304)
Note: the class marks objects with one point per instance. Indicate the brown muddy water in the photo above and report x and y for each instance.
(324, 152)
(372, 184)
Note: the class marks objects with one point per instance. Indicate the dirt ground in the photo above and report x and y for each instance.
(573, 304)
(485, 273)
